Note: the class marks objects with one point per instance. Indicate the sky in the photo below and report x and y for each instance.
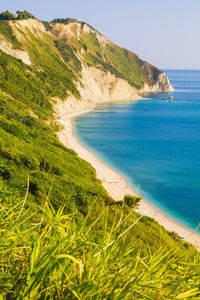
(163, 32)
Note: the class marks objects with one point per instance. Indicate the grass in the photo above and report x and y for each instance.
(47, 58)
(56, 259)
(29, 146)
(68, 54)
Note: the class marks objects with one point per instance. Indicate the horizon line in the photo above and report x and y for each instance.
(176, 69)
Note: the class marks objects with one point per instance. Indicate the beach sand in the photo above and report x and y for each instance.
(115, 184)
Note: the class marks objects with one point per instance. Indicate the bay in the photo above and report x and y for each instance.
(154, 144)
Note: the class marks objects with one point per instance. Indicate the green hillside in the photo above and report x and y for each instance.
(61, 235)
(118, 61)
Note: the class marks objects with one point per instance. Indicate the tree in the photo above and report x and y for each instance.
(24, 15)
(6, 15)
(64, 21)
(20, 15)
(132, 201)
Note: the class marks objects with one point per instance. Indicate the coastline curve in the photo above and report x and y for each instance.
(114, 183)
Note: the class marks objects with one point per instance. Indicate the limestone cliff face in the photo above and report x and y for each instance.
(104, 86)
(162, 85)
(75, 30)
(100, 87)
(9, 49)
(101, 71)
(97, 87)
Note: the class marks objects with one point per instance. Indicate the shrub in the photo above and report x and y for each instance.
(132, 201)
(5, 173)
(6, 15)
(47, 25)
(64, 21)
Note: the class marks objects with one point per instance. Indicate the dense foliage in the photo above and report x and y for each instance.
(20, 15)
(24, 15)
(6, 16)
(132, 201)
(29, 146)
(64, 21)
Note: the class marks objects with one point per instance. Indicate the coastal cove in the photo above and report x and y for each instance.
(113, 181)
(91, 128)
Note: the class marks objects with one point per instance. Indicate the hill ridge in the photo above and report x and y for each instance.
(80, 46)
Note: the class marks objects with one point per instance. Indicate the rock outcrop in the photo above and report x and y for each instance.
(162, 85)
(97, 87)
(9, 49)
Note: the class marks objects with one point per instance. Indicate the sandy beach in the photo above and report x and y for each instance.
(115, 184)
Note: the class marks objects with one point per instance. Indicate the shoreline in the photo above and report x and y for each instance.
(115, 184)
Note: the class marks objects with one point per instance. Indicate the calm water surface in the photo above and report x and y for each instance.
(154, 143)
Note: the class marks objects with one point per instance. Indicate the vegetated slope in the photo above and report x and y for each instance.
(77, 43)
(95, 50)
(34, 163)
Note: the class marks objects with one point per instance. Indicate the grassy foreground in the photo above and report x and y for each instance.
(57, 259)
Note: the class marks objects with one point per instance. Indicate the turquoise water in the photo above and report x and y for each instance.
(154, 143)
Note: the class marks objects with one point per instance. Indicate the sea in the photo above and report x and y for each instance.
(155, 144)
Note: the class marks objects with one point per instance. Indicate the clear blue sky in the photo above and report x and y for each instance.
(164, 32)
